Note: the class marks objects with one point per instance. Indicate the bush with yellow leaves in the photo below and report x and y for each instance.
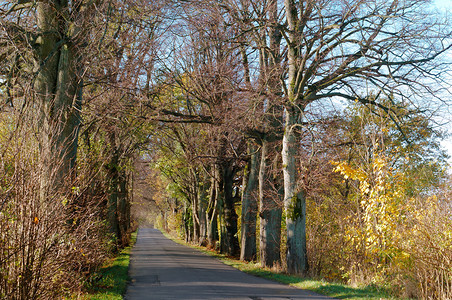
(403, 240)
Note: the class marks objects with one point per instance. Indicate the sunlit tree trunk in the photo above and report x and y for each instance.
(202, 205)
(195, 216)
(294, 200)
(212, 210)
(294, 203)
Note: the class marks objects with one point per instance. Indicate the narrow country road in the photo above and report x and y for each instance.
(163, 269)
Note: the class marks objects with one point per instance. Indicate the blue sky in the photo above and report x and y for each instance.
(447, 6)
(444, 3)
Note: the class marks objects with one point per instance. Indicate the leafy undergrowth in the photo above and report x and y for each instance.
(110, 281)
(336, 290)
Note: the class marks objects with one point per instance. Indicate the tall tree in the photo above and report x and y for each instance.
(337, 49)
(56, 40)
(270, 183)
(259, 37)
(209, 78)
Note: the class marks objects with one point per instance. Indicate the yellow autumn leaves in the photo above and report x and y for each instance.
(396, 234)
(381, 202)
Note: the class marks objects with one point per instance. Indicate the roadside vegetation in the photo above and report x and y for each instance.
(69, 136)
(110, 281)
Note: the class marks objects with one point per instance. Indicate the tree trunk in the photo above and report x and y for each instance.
(229, 240)
(249, 206)
(58, 91)
(270, 188)
(123, 203)
(212, 229)
(118, 206)
(187, 226)
(115, 191)
(294, 200)
(194, 200)
(196, 228)
(294, 203)
(202, 202)
(212, 212)
(270, 208)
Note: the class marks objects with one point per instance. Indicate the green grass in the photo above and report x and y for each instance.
(110, 281)
(323, 287)
(336, 290)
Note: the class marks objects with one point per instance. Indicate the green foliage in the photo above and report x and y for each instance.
(405, 135)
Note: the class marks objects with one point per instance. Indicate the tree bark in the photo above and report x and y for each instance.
(196, 225)
(187, 226)
(118, 204)
(294, 200)
(270, 209)
(58, 91)
(212, 229)
(202, 203)
(123, 203)
(229, 240)
(212, 212)
(112, 203)
(270, 188)
(249, 206)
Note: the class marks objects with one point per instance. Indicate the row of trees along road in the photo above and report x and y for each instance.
(233, 102)
(71, 80)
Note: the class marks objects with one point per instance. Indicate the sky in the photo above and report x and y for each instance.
(446, 5)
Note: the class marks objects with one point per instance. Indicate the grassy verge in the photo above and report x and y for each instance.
(337, 290)
(111, 280)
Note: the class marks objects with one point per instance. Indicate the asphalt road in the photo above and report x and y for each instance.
(163, 269)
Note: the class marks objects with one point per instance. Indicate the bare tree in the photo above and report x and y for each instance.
(342, 49)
